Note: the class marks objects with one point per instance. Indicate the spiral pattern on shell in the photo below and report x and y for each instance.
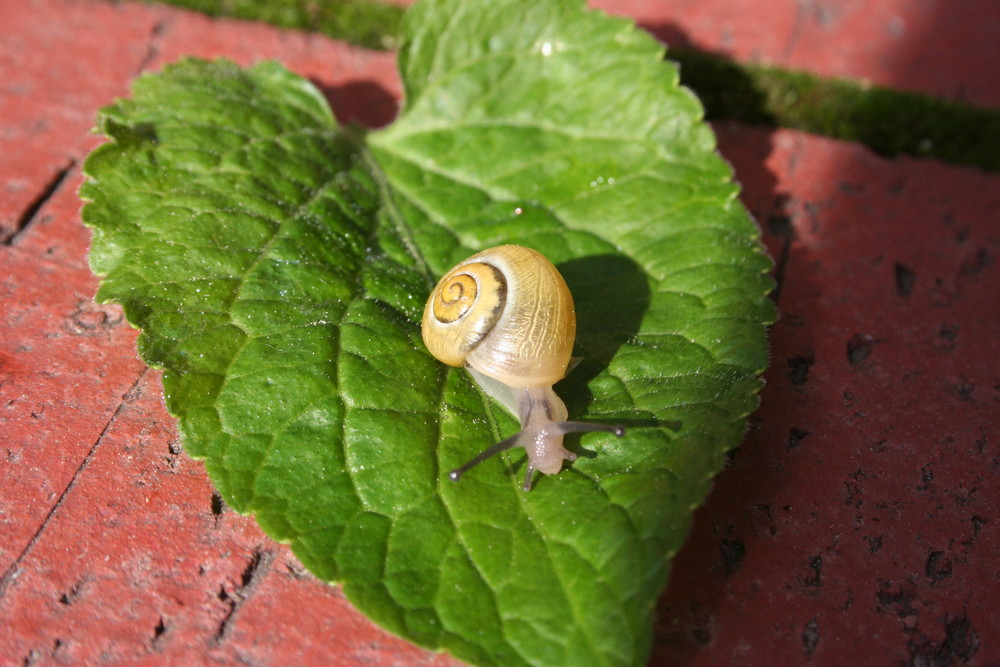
(456, 297)
(462, 310)
(507, 313)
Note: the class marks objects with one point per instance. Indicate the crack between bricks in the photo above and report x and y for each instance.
(258, 567)
(153, 48)
(30, 214)
(12, 573)
(798, 26)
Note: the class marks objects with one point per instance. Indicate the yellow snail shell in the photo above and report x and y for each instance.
(507, 315)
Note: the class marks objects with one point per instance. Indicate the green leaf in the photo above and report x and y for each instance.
(278, 265)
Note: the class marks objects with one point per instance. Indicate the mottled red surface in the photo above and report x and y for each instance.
(931, 46)
(859, 517)
(857, 523)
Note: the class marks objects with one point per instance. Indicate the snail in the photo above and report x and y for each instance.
(507, 315)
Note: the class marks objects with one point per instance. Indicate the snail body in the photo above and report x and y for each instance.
(507, 315)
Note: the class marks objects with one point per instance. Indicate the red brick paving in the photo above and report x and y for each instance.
(860, 513)
(941, 47)
(857, 521)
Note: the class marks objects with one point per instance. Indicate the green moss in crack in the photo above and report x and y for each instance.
(890, 122)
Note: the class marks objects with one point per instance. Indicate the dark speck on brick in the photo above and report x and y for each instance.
(810, 636)
(904, 279)
(798, 368)
(961, 643)
(795, 437)
(938, 566)
(815, 579)
(732, 553)
(976, 262)
(926, 477)
(874, 544)
(858, 348)
(701, 635)
(964, 389)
